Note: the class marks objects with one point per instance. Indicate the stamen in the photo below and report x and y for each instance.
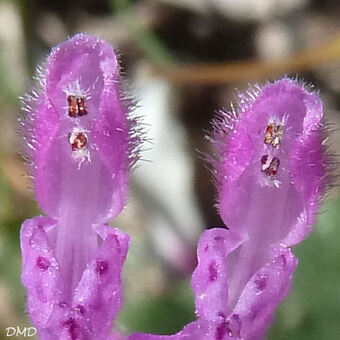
(273, 135)
(81, 106)
(72, 106)
(76, 106)
(77, 140)
(270, 167)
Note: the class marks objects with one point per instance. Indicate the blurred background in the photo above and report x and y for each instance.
(183, 60)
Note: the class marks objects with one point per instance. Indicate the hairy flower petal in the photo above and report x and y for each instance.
(80, 132)
(296, 115)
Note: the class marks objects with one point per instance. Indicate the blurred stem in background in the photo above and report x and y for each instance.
(244, 71)
(163, 64)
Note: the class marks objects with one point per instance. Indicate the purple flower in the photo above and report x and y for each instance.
(270, 169)
(80, 143)
(270, 172)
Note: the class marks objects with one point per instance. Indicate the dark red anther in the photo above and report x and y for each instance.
(273, 167)
(78, 141)
(270, 128)
(72, 106)
(270, 169)
(82, 111)
(273, 135)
